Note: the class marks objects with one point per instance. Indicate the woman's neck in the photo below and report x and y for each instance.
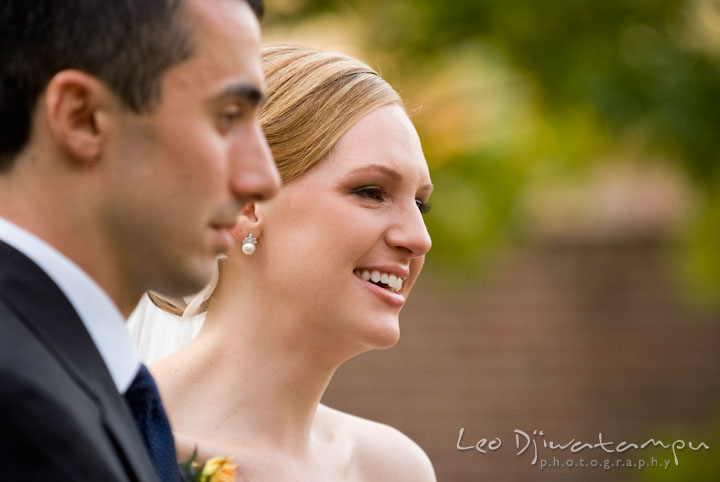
(254, 376)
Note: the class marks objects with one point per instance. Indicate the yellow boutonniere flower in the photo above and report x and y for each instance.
(218, 469)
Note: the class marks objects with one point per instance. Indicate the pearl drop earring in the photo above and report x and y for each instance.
(249, 243)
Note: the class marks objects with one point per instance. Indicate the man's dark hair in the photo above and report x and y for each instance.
(128, 44)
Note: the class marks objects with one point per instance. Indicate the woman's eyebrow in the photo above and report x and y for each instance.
(389, 172)
(428, 188)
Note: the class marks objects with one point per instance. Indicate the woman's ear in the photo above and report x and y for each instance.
(249, 221)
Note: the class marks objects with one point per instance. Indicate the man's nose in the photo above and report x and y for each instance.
(255, 176)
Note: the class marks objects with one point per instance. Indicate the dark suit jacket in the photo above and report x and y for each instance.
(61, 417)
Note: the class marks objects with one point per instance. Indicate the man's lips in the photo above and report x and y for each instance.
(222, 236)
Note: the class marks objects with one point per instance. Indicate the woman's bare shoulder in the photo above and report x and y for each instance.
(380, 452)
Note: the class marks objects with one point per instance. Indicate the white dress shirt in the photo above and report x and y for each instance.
(101, 317)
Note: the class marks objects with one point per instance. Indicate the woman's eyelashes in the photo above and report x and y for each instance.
(378, 194)
(373, 193)
(423, 207)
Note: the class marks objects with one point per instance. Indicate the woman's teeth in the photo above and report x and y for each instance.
(390, 281)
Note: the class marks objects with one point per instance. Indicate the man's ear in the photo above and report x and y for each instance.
(249, 220)
(75, 104)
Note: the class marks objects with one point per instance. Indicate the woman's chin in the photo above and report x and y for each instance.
(382, 335)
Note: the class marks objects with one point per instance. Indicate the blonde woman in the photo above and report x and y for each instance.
(335, 256)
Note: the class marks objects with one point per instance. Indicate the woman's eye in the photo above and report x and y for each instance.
(374, 193)
(423, 207)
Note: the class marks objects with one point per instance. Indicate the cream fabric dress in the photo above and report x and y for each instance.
(159, 333)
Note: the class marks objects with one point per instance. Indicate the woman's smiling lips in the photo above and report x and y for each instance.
(390, 276)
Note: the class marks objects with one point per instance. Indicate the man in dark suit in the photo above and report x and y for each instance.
(129, 142)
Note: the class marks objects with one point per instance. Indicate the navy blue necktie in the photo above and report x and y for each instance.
(151, 420)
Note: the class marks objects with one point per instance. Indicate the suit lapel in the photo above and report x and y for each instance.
(46, 311)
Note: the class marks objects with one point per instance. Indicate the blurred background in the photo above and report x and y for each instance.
(574, 283)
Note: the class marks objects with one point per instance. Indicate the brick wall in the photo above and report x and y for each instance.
(572, 338)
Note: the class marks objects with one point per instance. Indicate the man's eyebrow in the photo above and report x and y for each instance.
(388, 171)
(245, 92)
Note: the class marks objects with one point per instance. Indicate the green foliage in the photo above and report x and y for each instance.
(700, 258)
(632, 61)
(519, 92)
(693, 466)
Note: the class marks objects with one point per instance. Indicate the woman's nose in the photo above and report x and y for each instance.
(409, 233)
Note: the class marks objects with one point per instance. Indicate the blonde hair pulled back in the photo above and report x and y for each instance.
(313, 98)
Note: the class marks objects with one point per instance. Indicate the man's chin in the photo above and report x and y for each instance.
(190, 281)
